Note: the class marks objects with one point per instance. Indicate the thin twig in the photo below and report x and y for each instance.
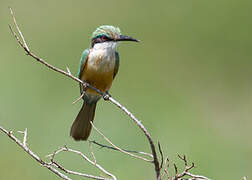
(196, 177)
(79, 98)
(91, 150)
(68, 70)
(130, 151)
(25, 136)
(119, 149)
(166, 167)
(78, 173)
(20, 33)
(161, 153)
(176, 170)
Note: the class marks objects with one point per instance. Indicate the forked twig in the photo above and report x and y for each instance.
(179, 176)
(94, 163)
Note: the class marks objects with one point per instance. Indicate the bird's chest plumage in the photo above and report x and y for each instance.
(99, 69)
(101, 61)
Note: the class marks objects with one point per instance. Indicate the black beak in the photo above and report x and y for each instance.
(126, 38)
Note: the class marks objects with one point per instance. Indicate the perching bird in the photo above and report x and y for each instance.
(98, 67)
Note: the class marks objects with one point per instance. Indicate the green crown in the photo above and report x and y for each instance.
(109, 31)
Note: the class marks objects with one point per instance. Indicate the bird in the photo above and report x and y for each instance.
(98, 67)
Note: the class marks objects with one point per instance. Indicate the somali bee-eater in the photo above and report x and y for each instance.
(98, 66)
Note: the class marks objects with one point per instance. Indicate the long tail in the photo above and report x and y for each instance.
(81, 127)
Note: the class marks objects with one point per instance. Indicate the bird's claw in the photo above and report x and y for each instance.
(106, 96)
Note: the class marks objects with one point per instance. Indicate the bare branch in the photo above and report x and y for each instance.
(32, 154)
(119, 149)
(91, 150)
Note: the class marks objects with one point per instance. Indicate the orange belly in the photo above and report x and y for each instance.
(100, 80)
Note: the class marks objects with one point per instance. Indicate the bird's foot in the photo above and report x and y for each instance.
(84, 86)
(106, 96)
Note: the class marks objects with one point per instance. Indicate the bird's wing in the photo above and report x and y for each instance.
(83, 62)
(116, 63)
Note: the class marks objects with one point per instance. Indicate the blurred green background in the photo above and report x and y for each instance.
(188, 81)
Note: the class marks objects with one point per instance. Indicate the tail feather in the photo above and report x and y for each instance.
(81, 127)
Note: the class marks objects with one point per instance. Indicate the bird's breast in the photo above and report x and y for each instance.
(101, 61)
(99, 69)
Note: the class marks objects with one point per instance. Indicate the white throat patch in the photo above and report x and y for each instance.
(106, 45)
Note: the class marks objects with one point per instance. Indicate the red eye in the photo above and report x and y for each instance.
(103, 38)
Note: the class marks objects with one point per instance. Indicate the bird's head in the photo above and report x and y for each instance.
(109, 35)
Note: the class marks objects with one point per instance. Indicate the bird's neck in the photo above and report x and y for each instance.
(106, 46)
